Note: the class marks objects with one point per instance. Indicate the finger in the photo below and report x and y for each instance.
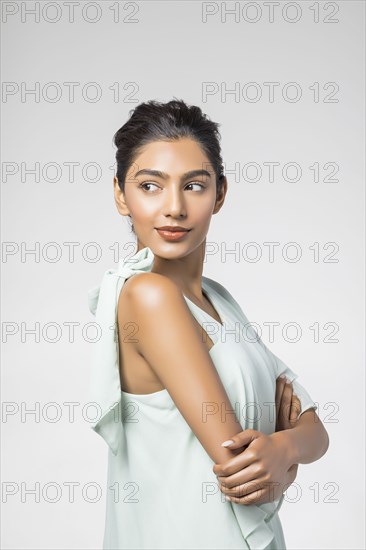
(280, 382)
(285, 408)
(244, 475)
(244, 489)
(264, 492)
(295, 408)
(280, 386)
(259, 497)
(235, 464)
(241, 439)
(252, 497)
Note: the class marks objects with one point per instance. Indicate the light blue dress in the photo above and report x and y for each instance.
(162, 492)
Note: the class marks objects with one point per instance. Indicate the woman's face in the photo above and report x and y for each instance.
(170, 183)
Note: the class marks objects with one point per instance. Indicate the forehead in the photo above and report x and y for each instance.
(172, 157)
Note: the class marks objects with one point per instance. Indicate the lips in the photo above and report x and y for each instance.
(173, 229)
(172, 234)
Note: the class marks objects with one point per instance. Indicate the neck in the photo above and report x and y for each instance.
(185, 271)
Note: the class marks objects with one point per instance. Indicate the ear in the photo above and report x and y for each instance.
(221, 196)
(120, 198)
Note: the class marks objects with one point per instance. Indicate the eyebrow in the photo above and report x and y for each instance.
(163, 175)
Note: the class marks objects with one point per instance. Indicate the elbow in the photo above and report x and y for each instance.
(326, 441)
(321, 435)
(324, 438)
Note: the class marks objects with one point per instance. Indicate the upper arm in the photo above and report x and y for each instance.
(171, 345)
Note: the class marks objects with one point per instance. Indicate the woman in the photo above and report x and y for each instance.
(178, 371)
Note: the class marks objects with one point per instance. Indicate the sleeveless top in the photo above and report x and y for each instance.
(162, 491)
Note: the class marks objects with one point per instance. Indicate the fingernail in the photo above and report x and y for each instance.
(227, 443)
(227, 498)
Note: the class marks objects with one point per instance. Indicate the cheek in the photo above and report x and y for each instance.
(202, 212)
(143, 211)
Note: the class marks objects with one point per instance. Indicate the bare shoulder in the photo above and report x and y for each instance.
(152, 297)
(151, 290)
(146, 296)
(145, 300)
(153, 300)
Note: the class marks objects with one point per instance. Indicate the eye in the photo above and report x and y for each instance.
(142, 185)
(147, 183)
(196, 183)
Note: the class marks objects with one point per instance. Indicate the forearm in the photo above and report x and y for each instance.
(307, 441)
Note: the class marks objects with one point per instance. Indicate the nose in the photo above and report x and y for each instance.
(174, 204)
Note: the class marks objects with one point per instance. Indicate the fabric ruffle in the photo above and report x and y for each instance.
(105, 385)
(253, 522)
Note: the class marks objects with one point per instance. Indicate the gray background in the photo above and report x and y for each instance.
(169, 51)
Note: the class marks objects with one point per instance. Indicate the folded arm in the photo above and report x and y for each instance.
(307, 441)
(169, 342)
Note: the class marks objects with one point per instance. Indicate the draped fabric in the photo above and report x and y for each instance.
(105, 386)
(156, 518)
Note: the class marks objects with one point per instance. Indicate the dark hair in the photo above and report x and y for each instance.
(156, 121)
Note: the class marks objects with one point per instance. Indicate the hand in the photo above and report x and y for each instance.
(259, 474)
(288, 405)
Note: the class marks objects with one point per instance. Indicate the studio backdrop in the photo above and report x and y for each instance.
(286, 83)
